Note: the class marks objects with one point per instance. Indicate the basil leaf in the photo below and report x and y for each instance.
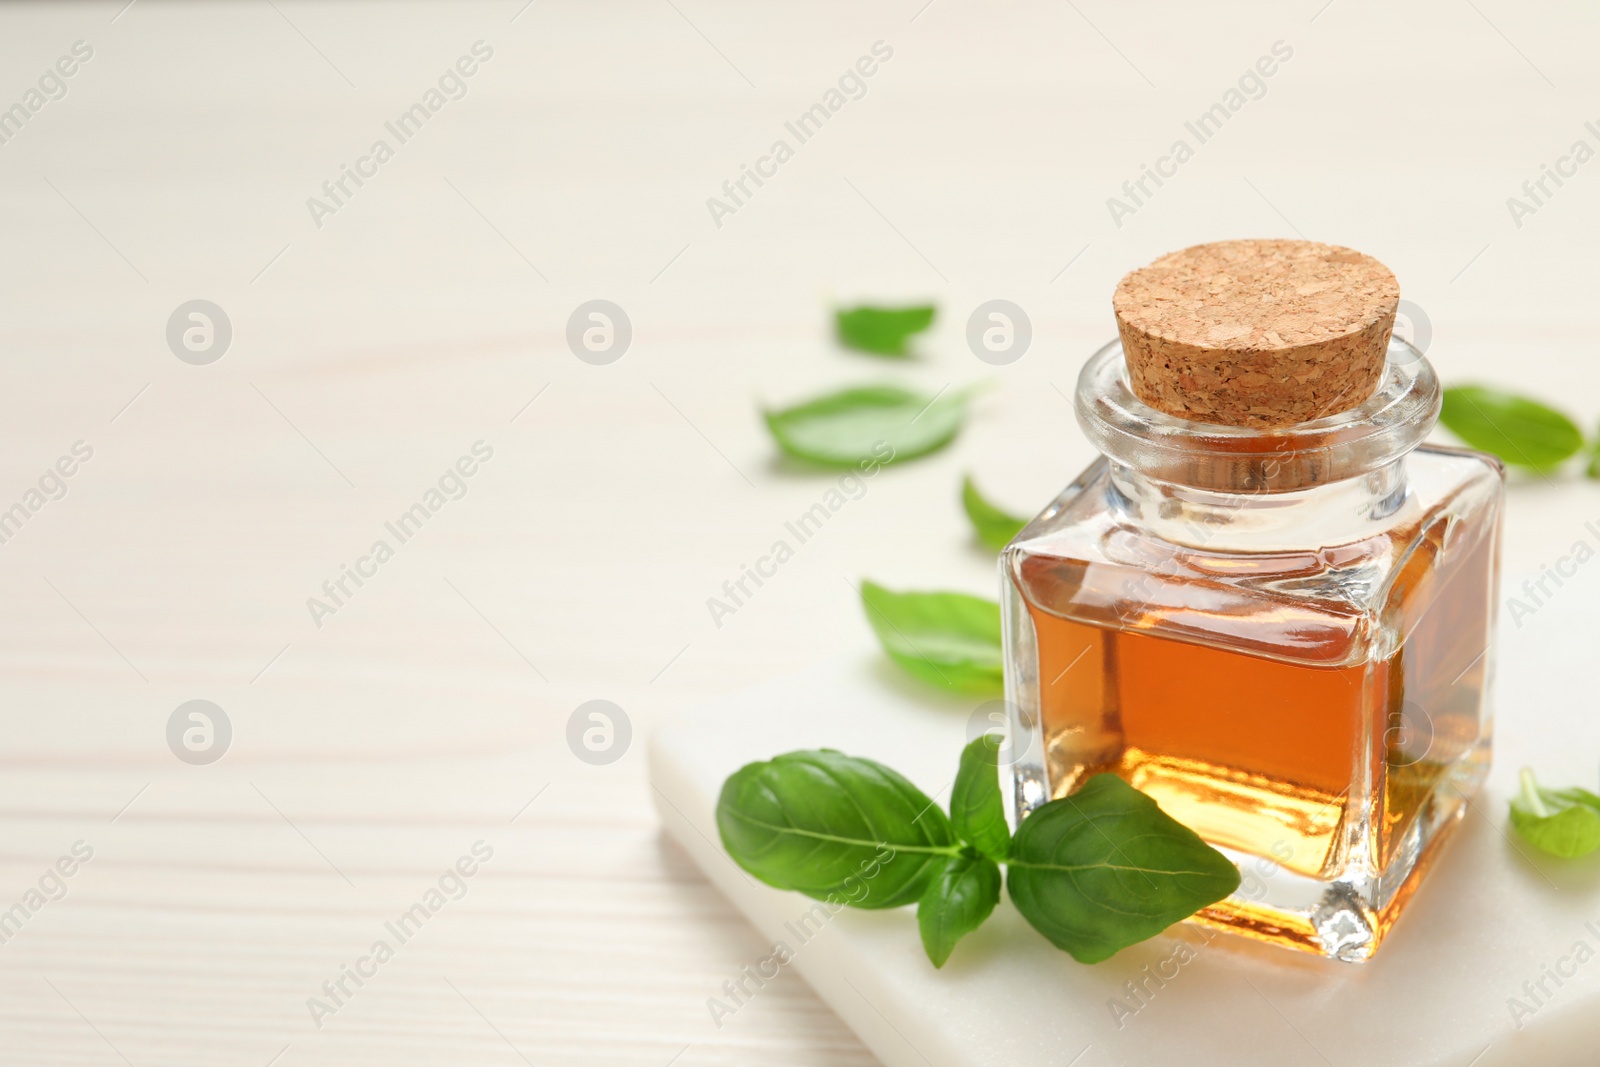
(993, 526)
(881, 331)
(949, 639)
(1105, 868)
(976, 810)
(868, 424)
(833, 826)
(958, 900)
(1562, 822)
(1522, 432)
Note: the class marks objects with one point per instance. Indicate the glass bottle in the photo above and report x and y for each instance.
(1282, 635)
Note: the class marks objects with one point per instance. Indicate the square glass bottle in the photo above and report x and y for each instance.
(1283, 635)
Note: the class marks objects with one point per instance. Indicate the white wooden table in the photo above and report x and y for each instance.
(430, 710)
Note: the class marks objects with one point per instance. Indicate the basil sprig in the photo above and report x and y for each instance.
(1106, 867)
(1093, 872)
(829, 825)
(957, 902)
(1562, 822)
(976, 809)
(879, 330)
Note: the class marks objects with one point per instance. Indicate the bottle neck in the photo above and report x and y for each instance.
(1210, 467)
(1340, 512)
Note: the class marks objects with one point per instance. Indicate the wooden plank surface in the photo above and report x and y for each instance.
(373, 745)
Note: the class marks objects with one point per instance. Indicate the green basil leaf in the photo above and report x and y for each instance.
(958, 900)
(1106, 868)
(1562, 822)
(976, 809)
(949, 639)
(881, 331)
(993, 526)
(1522, 432)
(833, 826)
(868, 424)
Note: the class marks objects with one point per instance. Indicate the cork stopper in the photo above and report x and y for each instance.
(1256, 333)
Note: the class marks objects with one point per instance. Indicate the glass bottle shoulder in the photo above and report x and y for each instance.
(1306, 576)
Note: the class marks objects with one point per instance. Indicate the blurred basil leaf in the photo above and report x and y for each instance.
(868, 424)
(882, 331)
(1562, 822)
(994, 527)
(949, 639)
(1521, 431)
